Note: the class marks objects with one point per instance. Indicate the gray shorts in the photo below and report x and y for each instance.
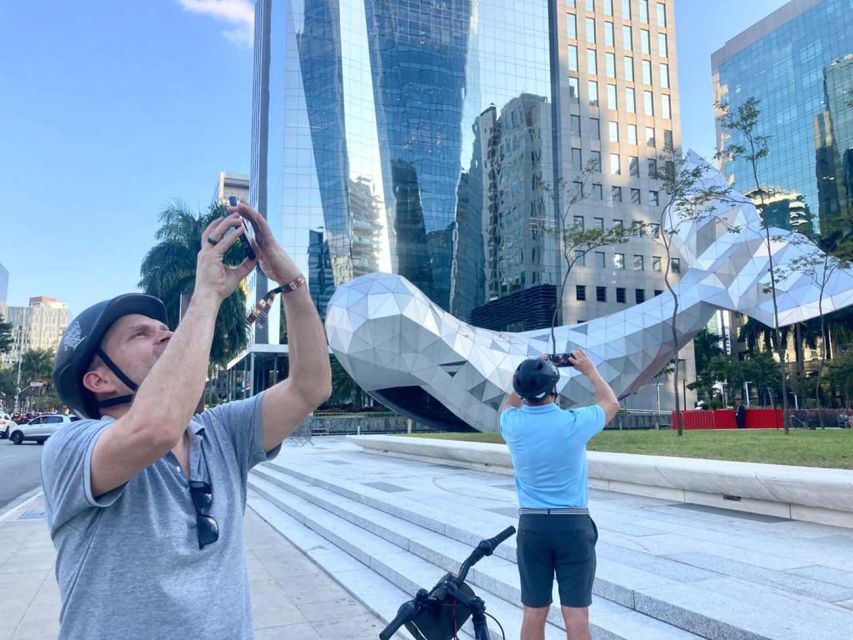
(561, 545)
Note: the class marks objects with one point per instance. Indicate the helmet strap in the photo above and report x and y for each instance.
(130, 384)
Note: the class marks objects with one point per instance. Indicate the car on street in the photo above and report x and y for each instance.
(39, 429)
(5, 423)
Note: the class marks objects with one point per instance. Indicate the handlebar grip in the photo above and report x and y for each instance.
(501, 537)
(405, 613)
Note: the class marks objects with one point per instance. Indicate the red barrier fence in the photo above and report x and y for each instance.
(725, 419)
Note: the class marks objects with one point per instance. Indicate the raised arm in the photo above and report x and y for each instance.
(169, 392)
(309, 383)
(604, 395)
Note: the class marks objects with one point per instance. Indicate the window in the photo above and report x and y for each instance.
(574, 92)
(626, 38)
(630, 105)
(608, 7)
(638, 263)
(614, 165)
(635, 196)
(656, 263)
(658, 292)
(650, 137)
(577, 223)
(618, 260)
(637, 226)
(663, 68)
(612, 103)
(589, 5)
(667, 139)
(620, 295)
(675, 265)
(580, 292)
(601, 294)
(589, 24)
(634, 166)
(597, 192)
(575, 125)
(632, 134)
(616, 194)
(654, 198)
(570, 4)
(665, 107)
(644, 11)
(595, 125)
(618, 224)
(599, 259)
(609, 39)
(626, 9)
(652, 166)
(577, 160)
(577, 190)
(662, 45)
(613, 131)
(598, 223)
(592, 90)
(573, 57)
(639, 295)
(610, 65)
(571, 26)
(645, 42)
(581, 260)
(661, 15)
(654, 229)
(591, 64)
(595, 160)
(648, 103)
(629, 69)
(647, 71)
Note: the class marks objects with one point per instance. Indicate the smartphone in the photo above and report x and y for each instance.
(560, 359)
(248, 232)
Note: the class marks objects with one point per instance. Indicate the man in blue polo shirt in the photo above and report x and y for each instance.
(555, 532)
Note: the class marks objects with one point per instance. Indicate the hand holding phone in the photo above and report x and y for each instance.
(560, 359)
(248, 232)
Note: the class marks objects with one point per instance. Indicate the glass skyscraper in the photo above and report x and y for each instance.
(789, 61)
(442, 140)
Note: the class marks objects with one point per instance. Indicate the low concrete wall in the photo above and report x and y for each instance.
(798, 493)
(339, 425)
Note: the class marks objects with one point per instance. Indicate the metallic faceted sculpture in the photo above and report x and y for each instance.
(418, 359)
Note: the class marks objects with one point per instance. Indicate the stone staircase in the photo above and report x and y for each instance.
(382, 538)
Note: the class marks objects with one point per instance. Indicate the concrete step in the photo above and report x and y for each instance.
(496, 576)
(696, 599)
(378, 594)
(405, 571)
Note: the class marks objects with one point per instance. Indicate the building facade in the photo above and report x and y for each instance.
(437, 142)
(788, 61)
(37, 326)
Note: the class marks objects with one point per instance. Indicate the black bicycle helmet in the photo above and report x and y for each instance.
(81, 341)
(535, 378)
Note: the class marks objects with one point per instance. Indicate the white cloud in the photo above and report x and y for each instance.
(238, 14)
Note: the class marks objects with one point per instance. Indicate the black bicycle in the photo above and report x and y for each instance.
(439, 614)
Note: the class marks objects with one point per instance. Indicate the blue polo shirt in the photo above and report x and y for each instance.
(548, 449)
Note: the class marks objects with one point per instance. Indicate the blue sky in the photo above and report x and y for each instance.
(112, 109)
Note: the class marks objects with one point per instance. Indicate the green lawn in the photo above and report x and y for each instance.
(832, 448)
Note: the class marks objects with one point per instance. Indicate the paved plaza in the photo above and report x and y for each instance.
(666, 570)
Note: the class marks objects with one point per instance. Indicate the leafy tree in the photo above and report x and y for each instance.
(743, 122)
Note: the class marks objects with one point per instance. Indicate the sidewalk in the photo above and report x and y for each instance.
(291, 596)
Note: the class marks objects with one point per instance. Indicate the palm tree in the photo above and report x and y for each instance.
(168, 271)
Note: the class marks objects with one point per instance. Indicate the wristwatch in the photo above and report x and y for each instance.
(293, 285)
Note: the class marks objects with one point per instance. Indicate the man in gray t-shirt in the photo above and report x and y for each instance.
(145, 500)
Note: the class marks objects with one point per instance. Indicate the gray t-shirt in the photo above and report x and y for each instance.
(128, 563)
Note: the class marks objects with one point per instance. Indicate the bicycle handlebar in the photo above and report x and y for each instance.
(409, 610)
